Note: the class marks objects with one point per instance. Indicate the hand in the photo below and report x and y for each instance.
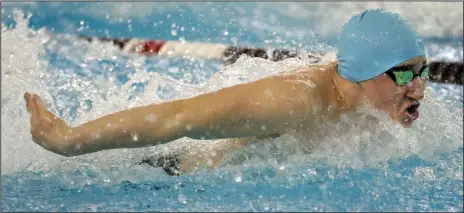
(47, 130)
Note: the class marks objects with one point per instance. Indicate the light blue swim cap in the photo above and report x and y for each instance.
(373, 42)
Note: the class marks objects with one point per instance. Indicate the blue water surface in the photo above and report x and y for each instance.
(312, 186)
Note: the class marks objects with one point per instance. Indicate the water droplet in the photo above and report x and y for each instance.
(95, 135)
(210, 162)
(182, 199)
(135, 137)
(268, 92)
(174, 32)
(238, 178)
(151, 117)
(173, 69)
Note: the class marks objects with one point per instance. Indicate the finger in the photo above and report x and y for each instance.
(27, 98)
(39, 103)
(35, 118)
(42, 110)
(35, 106)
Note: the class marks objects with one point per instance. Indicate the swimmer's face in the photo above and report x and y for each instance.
(400, 102)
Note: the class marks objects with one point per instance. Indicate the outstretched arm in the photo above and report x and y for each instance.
(267, 106)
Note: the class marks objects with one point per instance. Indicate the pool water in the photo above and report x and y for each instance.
(378, 167)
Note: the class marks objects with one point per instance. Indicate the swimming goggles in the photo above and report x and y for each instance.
(405, 74)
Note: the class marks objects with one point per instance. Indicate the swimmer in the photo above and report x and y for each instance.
(380, 63)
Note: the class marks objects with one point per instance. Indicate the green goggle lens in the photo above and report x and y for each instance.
(425, 73)
(404, 77)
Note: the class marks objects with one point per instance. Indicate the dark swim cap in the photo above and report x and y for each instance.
(373, 42)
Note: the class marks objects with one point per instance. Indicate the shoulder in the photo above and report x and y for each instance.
(318, 73)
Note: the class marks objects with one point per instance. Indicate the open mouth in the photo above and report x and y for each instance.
(413, 108)
(412, 112)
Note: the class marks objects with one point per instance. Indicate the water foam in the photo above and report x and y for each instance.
(85, 85)
(430, 19)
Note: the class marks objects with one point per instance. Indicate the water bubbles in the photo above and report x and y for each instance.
(355, 138)
(366, 134)
(226, 33)
(335, 149)
(424, 173)
(331, 174)
(209, 162)
(234, 40)
(312, 171)
(182, 199)
(173, 70)
(93, 207)
(238, 178)
(174, 32)
(135, 137)
(188, 127)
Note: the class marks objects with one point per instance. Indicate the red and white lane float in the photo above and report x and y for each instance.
(440, 71)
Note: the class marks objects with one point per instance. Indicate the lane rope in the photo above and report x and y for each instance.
(440, 71)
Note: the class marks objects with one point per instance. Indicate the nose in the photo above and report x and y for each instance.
(415, 89)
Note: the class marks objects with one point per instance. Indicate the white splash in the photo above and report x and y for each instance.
(25, 68)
